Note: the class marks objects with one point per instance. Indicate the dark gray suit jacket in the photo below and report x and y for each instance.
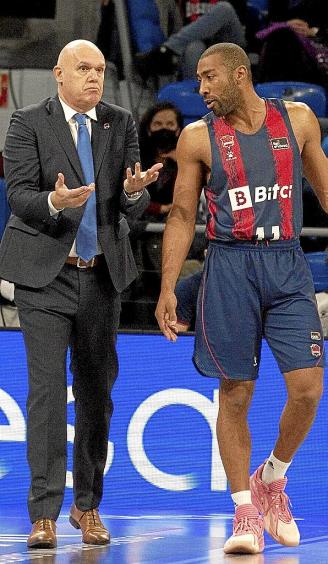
(38, 146)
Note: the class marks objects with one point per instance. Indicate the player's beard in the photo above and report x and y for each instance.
(228, 100)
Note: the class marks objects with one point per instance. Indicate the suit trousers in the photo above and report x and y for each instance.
(79, 310)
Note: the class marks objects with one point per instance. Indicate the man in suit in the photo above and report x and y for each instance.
(65, 297)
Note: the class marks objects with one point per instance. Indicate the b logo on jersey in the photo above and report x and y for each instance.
(279, 143)
(240, 198)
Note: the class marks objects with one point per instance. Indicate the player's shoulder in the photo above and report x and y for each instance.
(304, 122)
(194, 131)
(196, 126)
(298, 109)
(193, 140)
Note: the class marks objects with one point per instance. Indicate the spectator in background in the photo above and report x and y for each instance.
(303, 26)
(159, 129)
(205, 23)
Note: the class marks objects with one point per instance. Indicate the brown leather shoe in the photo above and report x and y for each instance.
(93, 531)
(43, 534)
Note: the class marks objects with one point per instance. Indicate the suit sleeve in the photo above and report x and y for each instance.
(132, 208)
(22, 171)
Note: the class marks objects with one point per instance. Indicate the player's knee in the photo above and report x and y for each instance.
(310, 396)
(235, 399)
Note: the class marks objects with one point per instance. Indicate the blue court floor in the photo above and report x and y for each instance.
(160, 539)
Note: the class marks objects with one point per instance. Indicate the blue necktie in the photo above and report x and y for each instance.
(86, 238)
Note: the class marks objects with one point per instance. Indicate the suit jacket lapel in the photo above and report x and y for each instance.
(102, 133)
(62, 131)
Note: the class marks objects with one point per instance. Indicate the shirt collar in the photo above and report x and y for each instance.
(69, 112)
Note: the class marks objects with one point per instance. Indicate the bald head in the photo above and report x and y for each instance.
(74, 47)
(231, 55)
(79, 74)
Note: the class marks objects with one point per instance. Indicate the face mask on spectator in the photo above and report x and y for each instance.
(165, 140)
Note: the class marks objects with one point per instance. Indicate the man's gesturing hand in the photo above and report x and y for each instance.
(139, 180)
(62, 197)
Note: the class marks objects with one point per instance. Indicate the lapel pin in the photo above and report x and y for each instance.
(106, 125)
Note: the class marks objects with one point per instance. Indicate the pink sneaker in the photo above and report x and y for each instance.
(273, 503)
(247, 537)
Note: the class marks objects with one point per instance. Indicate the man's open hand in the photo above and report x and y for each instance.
(62, 197)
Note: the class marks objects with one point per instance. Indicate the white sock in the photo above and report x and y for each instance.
(274, 469)
(240, 498)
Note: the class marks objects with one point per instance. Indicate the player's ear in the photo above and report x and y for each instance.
(240, 73)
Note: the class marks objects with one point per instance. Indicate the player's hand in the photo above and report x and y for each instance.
(62, 197)
(139, 180)
(182, 327)
(166, 315)
(300, 26)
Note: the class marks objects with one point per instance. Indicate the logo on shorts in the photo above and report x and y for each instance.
(279, 143)
(255, 361)
(315, 350)
(315, 335)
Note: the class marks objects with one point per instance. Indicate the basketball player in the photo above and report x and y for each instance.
(249, 152)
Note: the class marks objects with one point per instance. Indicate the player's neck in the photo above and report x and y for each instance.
(249, 116)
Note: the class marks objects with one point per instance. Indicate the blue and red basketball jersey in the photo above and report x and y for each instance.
(255, 187)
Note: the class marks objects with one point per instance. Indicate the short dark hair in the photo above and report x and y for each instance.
(232, 55)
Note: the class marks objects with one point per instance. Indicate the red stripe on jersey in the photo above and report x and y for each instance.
(212, 210)
(284, 165)
(228, 145)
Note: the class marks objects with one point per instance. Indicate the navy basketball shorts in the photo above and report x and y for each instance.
(250, 291)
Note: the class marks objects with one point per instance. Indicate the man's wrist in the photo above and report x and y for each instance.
(53, 206)
(133, 195)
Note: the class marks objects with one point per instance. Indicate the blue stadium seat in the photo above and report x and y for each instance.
(324, 145)
(311, 94)
(184, 95)
(318, 263)
(146, 33)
